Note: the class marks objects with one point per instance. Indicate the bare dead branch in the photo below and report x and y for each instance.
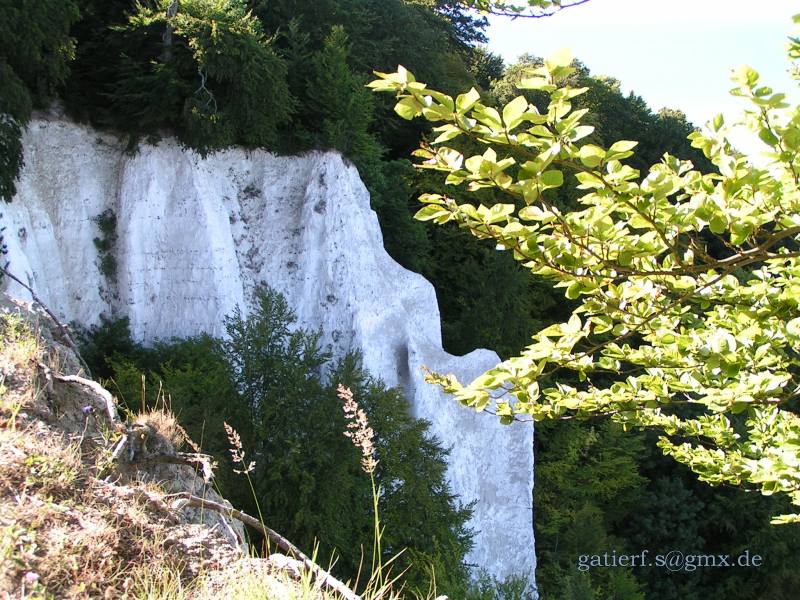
(151, 500)
(64, 332)
(111, 407)
(194, 460)
(324, 578)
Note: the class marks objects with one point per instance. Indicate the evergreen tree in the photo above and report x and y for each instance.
(340, 108)
(203, 69)
(417, 508)
(272, 383)
(312, 486)
(587, 483)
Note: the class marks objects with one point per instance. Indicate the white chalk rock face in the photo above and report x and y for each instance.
(196, 236)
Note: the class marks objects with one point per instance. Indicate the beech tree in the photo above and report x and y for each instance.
(687, 282)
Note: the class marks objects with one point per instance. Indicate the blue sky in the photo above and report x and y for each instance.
(675, 53)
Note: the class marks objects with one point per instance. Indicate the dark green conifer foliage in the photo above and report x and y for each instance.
(11, 158)
(485, 66)
(106, 342)
(35, 51)
(203, 69)
(417, 507)
(272, 383)
(587, 484)
(340, 108)
(99, 49)
(338, 112)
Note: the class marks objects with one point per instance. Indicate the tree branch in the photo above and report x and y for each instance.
(195, 460)
(64, 332)
(514, 13)
(98, 389)
(322, 576)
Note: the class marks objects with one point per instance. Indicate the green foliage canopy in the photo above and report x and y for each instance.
(35, 50)
(203, 69)
(687, 281)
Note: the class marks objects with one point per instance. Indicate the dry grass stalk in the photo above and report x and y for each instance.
(358, 429)
(237, 451)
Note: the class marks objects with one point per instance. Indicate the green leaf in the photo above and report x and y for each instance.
(535, 213)
(430, 212)
(562, 57)
(536, 83)
(588, 181)
(746, 76)
(591, 155)
(488, 116)
(768, 137)
(499, 212)
(431, 199)
(740, 231)
(446, 133)
(574, 290)
(793, 327)
(581, 132)
(465, 102)
(552, 179)
(408, 108)
(718, 224)
(513, 111)
(620, 150)
(622, 146)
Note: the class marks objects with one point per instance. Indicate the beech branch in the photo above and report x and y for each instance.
(518, 12)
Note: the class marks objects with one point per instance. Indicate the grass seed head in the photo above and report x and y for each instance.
(358, 429)
(237, 451)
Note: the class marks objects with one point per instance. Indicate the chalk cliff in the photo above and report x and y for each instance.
(196, 236)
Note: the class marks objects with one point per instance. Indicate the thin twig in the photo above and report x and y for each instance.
(64, 332)
(521, 14)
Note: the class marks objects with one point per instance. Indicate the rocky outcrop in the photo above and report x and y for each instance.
(185, 239)
(77, 500)
(95, 507)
